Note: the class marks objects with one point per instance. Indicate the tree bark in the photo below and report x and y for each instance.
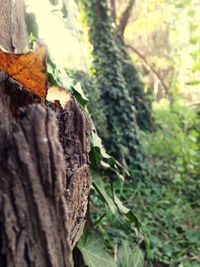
(44, 174)
(74, 130)
(13, 34)
(33, 227)
(113, 10)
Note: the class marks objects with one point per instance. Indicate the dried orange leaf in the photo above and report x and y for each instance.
(28, 69)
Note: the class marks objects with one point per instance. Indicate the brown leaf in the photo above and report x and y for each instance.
(28, 69)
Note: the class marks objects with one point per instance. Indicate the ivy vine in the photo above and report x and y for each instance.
(123, 141)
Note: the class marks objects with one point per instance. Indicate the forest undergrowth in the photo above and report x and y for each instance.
(167, 200)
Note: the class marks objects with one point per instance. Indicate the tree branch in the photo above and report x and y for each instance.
(125, 17)
(144, 60)
(113, 10)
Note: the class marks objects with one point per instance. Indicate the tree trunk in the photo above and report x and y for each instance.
(125, 18)
(113, 10)
(44, 175)
(13, 34)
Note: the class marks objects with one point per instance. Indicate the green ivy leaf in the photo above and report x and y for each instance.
(79, 94)
(53, 72)
(128, 257)
(93, 252)
(105, 197)
(32, 26)
(127, 212)
(95, 157)
(98, 152)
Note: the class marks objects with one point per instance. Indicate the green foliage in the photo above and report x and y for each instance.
(94, 104)
(59, 77)
(128, 257)
(114, 221)
(116, 206)
(93, 251)
(31, 24)
(124, 137)
(170, 198)
(166, 202)
(118, 218)
(176, 136)
(167, 219)
(135, 87)
(78, 93)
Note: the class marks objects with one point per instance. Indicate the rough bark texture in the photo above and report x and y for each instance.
(13, 35)
(74, 130)
(33, 228)
(44, 177)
